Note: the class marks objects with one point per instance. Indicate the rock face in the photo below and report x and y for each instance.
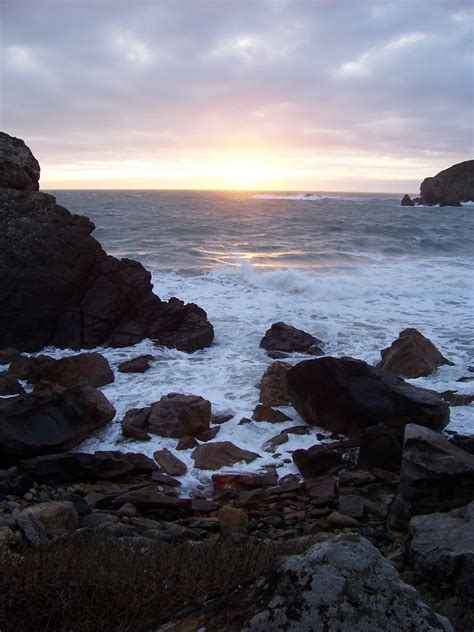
(435, 476)
(60, 288)
(43, 423)
(283, 337)
(89, 368)
(273, 387)
(175, 415)
(341, 584)
(411, 355)
(442, 548)
(213, 456)
(348, 396)
(449, 187)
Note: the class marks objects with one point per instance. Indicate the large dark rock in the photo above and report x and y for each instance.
(407, 201)
(316, 460)
(450, 187)
(347, 395)
(435, 476)
(283, 337)
(91, 368)
(175, 415)
(411, 355)
(60, 288)
(43, 423)
(273, 387)
(379, 448)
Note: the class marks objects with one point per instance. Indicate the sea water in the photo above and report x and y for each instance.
(351, 269)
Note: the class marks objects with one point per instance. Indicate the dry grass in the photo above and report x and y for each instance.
(103, 585)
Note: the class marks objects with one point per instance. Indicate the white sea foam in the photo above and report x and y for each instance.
(305, 197)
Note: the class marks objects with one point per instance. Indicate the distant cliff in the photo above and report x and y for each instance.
(448, 188)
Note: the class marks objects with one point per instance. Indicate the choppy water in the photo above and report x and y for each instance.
(352, 269)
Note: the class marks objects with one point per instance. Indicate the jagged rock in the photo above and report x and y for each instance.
(340, 584)
(348, 396)
(136, 365)
(60, 288)
(273, 387)
(44, 423)
(283, 337)
(411, 355)
(213, 456)
(19, 169)
(450, 187)
(442, 548)
(89, 368)
(435, 476)
(380, 448)
(9, 385)
(266, 413)
(316, 460)
(407, 201)
(175, 415)
(170, 463)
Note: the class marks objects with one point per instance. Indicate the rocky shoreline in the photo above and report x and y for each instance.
(382, 498)
(450, 187)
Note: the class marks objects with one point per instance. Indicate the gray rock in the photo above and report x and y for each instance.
(351, 505)
(442, 549)
(283, 337)
(19, 169)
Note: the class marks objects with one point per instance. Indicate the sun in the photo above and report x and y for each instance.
(242, 174)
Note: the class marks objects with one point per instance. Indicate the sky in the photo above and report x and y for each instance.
(300, 95)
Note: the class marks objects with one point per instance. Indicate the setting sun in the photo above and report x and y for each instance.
(243, 174)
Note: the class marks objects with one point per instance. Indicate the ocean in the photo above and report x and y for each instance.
(351, 269)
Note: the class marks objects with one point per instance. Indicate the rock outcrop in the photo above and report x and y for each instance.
(60, 288)
(435, 476)
(287, 339)
(411, 355)
(48, 422)
(89, 368)
(348, 396)
(449, 187)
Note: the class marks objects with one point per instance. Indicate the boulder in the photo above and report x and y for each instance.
(23, 366)
(407, 201)
(9, 385)
(442, 549)
(175, 415)
(266, 413)
(283, 337)
(56, 517)
(380, 448)
(136, 365)
(60, 288)
(435, 476)
(273, 387)
(19, 169)
(170, 463)
(348, 396)
(316, 460)
(340, 584)
(88, 368)
(44, 423)
(411, 355)
(8, 355)
(450, 187)
(213, 456)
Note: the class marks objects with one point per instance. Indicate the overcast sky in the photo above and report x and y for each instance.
(321, 94)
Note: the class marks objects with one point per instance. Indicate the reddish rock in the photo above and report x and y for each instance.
(148, 499)
(411, 355)
(272, 444)
(186, 443)
(134, 422)
(238, 481)
(321, 488)
(274, 387)
(283, 337)
(164, 479)
(220, 419)
(136, 365)
(453, 398)
(316, 460)
(338, 520)
(265, 413)
(170, 463)
(23, 366)
(213, 456)
(208, 435)
(88, 368)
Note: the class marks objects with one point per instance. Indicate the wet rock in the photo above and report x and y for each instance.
(175, 415)
(450, 187)
(89, 368)
(272, 444)
(238, 481)
(136, 365)
(23, 366)
(380, 448)
(9, 385)
(169, 462)
(186, 443)
(283, 337)
(348, 396)
(213, 456)
(316, 460)
(8, 355)
(435, 476)
(220, 419)
(45, 423)
(453, 398)
(411, 355)
(208, 435)
(273, 387)
(232, 520)
(407, 201)
(463, 442)
(266, 413)
(60, 288)
(442, 548)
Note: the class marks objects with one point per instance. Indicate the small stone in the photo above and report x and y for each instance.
(340, 521)
(170, 463)
(351, 505)
(128, 509)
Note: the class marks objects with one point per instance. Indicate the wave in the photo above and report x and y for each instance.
(304, 197)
